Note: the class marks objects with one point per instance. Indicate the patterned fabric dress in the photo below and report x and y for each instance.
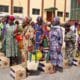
(28, 35)
(39, 33)
(78, 47)
(10, 46)
(70, 40)
(56, 40)
(1, 27)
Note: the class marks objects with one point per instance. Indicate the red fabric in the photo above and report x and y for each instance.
(19, 38)
(12, 18)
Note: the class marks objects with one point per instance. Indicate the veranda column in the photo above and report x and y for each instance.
(54, 7)
(42, 7)
(65, 2)
(28, 6)
(12, 7)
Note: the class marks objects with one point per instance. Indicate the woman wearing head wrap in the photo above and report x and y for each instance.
(10, 43)
(38, 32)
(28, 36)
(56, 41)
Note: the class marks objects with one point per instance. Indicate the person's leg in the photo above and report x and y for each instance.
(60, 62)
(53, 61)
(12, 60)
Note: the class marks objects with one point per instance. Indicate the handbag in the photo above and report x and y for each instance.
(38, 54)
(32, 64)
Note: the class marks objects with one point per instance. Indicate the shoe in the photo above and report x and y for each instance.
(60, 69)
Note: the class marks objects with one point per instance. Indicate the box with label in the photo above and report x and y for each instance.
(4, 62)
(17, 72)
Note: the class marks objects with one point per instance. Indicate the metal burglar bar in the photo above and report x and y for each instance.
(75, 10)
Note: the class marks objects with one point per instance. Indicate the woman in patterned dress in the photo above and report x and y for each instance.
(56, 40)
(28, 35)
(38, 32)
(10, 44)
(70, 40)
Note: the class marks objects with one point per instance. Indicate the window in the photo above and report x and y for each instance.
(67, 14)
(4, 8)
(36, 11)
(18, 9)
(59, 13)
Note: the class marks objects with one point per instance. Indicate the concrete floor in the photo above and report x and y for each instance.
(72, 73)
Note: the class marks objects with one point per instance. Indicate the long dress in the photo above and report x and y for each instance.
(78, 47)
(39, 33)
(10, 46)
(56, 40)
(1, 27)
(70, 40)
(28, 35)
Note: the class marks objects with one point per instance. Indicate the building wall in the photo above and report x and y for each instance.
(37, 4)
(47, 4)
(60, 4)
(21, 3)
(68, 8)
(5, 2)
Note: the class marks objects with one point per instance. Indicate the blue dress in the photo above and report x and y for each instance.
(39, 33)
(56, 40)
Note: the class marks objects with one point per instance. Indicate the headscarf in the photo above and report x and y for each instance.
(12, 18)
(56, 21)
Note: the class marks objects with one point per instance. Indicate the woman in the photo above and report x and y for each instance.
(70, 40)
(10, 44)
(28, 35)
(38, 32)
(56, 40)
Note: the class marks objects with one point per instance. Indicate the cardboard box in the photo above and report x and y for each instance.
(17, 72)
(46, 67)
(4, 62)
(1, 54)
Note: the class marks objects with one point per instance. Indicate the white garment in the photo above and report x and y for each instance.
(63, 29)
(74, 29)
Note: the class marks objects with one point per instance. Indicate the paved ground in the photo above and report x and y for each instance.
(72, 73)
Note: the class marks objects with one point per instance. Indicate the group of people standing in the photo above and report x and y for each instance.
(20, 40)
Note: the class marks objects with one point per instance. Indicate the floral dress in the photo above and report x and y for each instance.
(70, 40)
(28, 35)
(39, 33)
(10, 46)
(56, 40)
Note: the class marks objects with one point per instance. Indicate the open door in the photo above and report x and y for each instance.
(49, 16)
(50, 13)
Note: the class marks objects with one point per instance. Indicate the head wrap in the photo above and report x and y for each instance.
(12, 18)
(39, 18)
(56, 19)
